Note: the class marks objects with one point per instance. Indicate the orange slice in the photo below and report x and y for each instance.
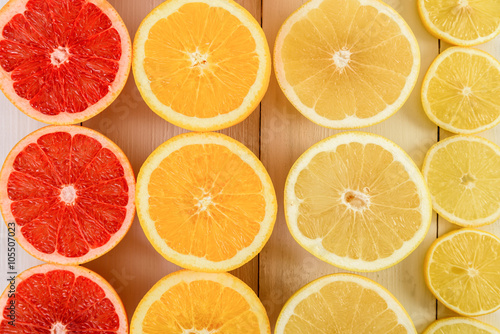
(68, 194)
(193, 302)
(205, 202)
(53, 299)
(346, 63)
(201, 64)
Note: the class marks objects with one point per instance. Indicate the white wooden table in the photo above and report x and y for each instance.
(278, 134)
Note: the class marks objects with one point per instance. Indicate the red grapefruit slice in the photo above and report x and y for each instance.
(54, 299)
(70, 193)
(62, 61)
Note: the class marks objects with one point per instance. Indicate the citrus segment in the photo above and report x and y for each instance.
(461, 270)
(463, 175)
(193, 302)
(62, 62)
(346, 68)
(461, 22)
(205, 202)
(70, 192)
(460, 325)
(202, 65)
(461, 91)
(62, 299)
(357, 201)
(343, 303)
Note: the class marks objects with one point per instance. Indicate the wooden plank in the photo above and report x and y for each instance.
(134, 266)
(493, 48)
(285, 266)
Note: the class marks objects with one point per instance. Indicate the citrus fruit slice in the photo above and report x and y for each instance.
(461, 91)
(194, 302)
(463, 175)
(346, 68)
(357, 201)
(461, 22)
(461, 270)
(460, 325)
(205, 202)
(201, 64)
(53, 299)
(68, 192)
(343, 303)
(63, 61)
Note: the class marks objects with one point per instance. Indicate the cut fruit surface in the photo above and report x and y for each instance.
(462, 271)
(343, 303)
(461, 91)
(54, 299)
(463, 175)
(357, 201)
(461, 22)
(203, 65)
(70, 191)
(63, 62)
(205, 202)
(346, 68)
(456, 325)
(200, 303)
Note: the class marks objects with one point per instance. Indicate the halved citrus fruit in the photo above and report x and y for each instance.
(461, 270)
(343, 303)
(463, 175)
(460, 325)
(346, 63)
(194, 302)
(70, 192)
(205, 202)
(461, 22)
(63, 61)
(357, 201)
(461, 91)
(53, 299)
(201, 64)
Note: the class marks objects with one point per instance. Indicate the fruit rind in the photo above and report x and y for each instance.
(78, 271)
(430, 74)
(316, 285)
(352, 123)
(453, 320)
(106, 143)
(188, 276)
(251, 101)
(427, 263)
(291, 208)
(17, 6)
(188, 261)
(442, 212)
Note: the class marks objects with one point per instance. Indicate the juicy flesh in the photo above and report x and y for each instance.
(464, 179)
(341, 308)
(461, 328)
(200, 307)
(358, 202)
(465, 20)
(465, 91)
(206, 202)
(465, 272)
(69, 194)
(344, 72)
(58, 302)
(201, 61)
(62, 56)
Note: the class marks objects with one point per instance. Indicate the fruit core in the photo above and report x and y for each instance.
(463, 3)
(198, 59)
(356, 200)
(342, 58)
(68, 194)
(58, 328)
(468, 180)
(59, 56)
(204, 202)
(466, 91)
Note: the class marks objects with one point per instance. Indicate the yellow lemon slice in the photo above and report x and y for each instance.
(460, 325)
